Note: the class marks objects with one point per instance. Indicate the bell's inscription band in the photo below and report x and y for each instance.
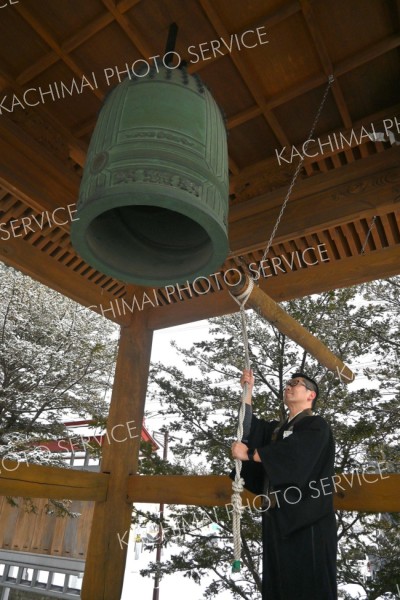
(153, 176)
(162, 135)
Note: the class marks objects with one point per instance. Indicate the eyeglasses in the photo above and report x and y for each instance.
(294, 382)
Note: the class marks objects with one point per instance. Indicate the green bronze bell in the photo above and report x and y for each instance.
(153, 201)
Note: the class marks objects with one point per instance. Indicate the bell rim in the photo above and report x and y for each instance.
(167, 199)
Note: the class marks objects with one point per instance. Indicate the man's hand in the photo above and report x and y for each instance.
(247, 377)
(239, 450)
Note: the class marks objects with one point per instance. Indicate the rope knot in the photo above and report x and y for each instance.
(238, 486)
(242, 298)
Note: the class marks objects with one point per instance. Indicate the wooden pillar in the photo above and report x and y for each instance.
(108, 543)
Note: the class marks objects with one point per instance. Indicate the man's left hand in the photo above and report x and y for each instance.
(239, 450)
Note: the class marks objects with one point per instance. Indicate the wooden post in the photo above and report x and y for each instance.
(108, 543)
(268, 308)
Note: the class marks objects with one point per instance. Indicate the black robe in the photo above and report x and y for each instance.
(299, 533)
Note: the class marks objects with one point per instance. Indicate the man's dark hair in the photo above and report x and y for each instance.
(311, 385)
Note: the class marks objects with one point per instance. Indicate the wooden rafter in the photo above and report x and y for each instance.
(72, 43)
(323, 54)
(246, 72)
(47, 37)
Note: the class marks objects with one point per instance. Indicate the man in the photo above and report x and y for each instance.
(290, 465)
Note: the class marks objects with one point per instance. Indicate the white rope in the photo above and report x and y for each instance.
(238, 483)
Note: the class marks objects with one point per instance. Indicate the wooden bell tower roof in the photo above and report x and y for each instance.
(57, 65)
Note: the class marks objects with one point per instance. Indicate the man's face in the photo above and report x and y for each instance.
(296, 391)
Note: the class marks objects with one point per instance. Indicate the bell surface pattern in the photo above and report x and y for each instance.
(153, 201)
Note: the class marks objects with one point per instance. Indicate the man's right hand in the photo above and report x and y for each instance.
(247, 377)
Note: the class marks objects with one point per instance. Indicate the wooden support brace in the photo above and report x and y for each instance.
(34, 481)
(268, 308)
(375, 492)
(366, 492)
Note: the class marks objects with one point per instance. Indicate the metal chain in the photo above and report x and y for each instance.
(368, 234)
(298, 168)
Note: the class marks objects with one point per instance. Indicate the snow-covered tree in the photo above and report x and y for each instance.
(56, 363)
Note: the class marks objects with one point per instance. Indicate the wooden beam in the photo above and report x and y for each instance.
(125, 23)
(71, 44)
(106, 556)
(263, 304)
(247, 72)
(344, 66)
(36, 481)
(367, 492)
(245, 115)
(77, 39)
(196, 490)
(296, 284)
(370, 53)
(363, 188)
(48, 38)
(326, 62)
(333, 275)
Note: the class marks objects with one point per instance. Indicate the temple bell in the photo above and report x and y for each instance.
(153, 201)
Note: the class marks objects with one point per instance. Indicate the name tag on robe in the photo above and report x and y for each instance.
(286, 434)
